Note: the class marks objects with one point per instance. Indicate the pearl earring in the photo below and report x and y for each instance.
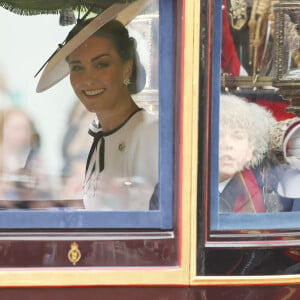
(126, 81)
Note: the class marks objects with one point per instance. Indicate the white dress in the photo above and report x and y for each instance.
(122, 169)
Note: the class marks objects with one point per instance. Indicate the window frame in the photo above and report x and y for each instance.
(229, 229)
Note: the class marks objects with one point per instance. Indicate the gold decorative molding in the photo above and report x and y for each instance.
(287, 49)
(238, 14)
(245, 82)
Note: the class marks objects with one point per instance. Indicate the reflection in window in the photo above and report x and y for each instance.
(244, 173)
(250, 26)
(56, 170)
(291, 45)
(254, 156)
(258, 158)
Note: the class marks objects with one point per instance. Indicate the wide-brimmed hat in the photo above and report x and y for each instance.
(57, 67)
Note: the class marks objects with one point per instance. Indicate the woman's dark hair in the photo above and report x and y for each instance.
(125, 45)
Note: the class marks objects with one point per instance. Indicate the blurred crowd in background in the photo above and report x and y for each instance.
(25, 182)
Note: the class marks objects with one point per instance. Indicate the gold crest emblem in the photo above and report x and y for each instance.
(74, 254)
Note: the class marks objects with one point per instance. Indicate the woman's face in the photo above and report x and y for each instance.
(235, 151)
(97, 74)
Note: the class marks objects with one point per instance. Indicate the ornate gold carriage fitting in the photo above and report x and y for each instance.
(287, 52)
(249, 25)
(267, 48)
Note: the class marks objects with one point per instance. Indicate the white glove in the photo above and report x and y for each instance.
(291, 146)
(289, 184)
(290, 180)
(294, 144)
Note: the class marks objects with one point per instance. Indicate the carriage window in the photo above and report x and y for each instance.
(255, 114)
(44, 141)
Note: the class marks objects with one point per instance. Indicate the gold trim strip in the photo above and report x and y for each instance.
(92, 277)
(245, 280)
(193, 170)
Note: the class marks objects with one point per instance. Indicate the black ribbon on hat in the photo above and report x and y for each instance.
(78, 21)
(45, 63)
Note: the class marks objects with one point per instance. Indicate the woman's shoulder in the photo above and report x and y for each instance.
(146, 121)
(146, 118)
